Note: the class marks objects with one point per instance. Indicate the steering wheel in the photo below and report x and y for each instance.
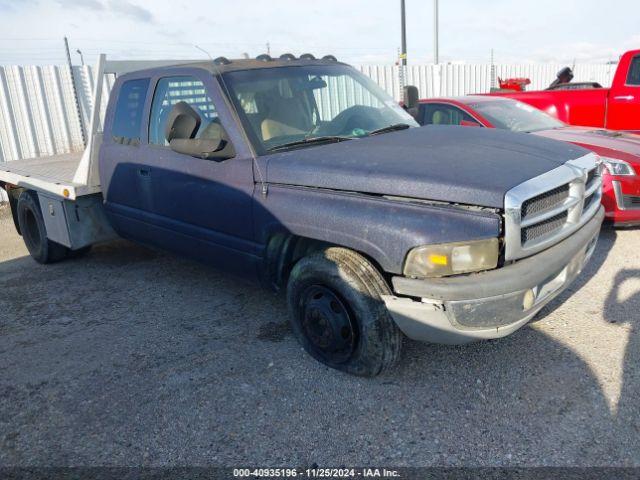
(356, 117)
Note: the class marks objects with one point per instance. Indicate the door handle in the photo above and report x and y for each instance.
(144, 172)
(625, 97)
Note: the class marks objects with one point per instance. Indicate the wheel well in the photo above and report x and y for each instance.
(284, 250)
(14, 193)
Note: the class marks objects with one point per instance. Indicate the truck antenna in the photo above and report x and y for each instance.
(205, 52)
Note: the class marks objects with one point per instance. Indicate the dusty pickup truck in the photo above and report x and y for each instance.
(615, 108)
(303, 174)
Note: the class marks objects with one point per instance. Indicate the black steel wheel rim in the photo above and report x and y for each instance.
(327, 324)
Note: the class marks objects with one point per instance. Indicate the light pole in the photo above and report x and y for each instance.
(79, 52)
(403, 27)
(402, 70)
(436, 56)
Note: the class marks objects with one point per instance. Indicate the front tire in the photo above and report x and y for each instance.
(337, 314)
(34, 232)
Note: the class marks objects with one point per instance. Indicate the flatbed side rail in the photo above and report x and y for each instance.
(86, 179)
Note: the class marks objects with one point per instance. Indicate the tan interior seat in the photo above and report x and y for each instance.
(282, 115)
(273, 128)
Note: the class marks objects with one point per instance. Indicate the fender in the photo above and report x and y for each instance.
(381, 228)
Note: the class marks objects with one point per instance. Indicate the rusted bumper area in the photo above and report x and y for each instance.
(492, 304)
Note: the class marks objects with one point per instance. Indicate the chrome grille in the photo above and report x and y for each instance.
(591, 176)
(545, 201)
(590, 200)
(545, 210)
(631, 201)
(541, 229)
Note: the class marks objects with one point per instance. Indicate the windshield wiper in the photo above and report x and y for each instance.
(390, 128)
(309, 141)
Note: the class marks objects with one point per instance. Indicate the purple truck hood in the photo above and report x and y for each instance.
(474, 166)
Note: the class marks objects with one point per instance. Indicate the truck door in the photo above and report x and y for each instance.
(125, 191)
(195, 207)
(624, 100)
(204, 206)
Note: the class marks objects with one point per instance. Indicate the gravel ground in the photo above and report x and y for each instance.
(133, 357)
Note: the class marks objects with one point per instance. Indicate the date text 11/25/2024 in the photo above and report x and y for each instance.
(315, 472)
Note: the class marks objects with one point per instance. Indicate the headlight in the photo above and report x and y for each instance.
(452, 258)
(617, 167)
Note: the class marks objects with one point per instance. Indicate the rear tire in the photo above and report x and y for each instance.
(338, 316)
(34, 232)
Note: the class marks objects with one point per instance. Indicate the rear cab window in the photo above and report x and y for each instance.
(633, 77)
(127, 120)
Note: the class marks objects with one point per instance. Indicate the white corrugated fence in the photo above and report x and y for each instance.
(39, 115)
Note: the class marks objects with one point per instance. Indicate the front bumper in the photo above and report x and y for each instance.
(493, 304)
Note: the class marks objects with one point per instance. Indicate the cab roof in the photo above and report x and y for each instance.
(222, 66)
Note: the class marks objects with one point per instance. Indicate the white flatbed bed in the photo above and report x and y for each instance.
(54, 174)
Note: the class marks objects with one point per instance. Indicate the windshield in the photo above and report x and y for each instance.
(290, 105)
(516, 116)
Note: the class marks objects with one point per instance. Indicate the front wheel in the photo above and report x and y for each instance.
(337, 314)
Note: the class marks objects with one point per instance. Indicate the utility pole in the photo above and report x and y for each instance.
(402, 68)
(493, 72)
(403, 26)
(436, 40)
(268, 48)
(75, 92)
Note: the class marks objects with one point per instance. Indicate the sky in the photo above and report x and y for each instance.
(355, 31)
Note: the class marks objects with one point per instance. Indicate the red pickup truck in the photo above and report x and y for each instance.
(615, 108)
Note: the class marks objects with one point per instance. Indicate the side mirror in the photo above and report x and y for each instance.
(213, 144)
(411, 97)
(183, 124)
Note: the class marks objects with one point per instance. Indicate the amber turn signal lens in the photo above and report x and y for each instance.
(452, 258)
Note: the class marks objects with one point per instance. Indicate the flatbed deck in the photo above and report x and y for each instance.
(53, 174)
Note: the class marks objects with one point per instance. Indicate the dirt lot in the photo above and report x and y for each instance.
(134, 357)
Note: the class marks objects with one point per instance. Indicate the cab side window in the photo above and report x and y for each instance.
(442, 114)
(633, 78)
(171, 90)
(128, 115)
